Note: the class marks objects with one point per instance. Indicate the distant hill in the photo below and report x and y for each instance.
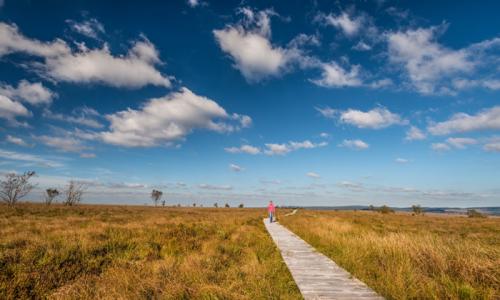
(495, 210)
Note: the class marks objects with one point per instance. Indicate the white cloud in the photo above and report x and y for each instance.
(324, 135)
(400, 160)
(333, 75)
(414, 134)
(193, 3)
(488, 119)
(492, 147)
(30, 158)
(16, 141)
(327, 112)
(64, 144)
(215, 187)
(33, 93)
(9, 109)
(381, 83)
(349, 25)
(168, 119)
(376, 118)
(313, 175)
(362, 46)
(85, 116)
(461, 143)
(235, 168)
(350, 185)
(243, 149)
(282, 149)
(354, 144)
(435, 69)
(90, 28)
(440, 147)
(11, 40)
(249, 45)
(426, 61)
(276, 149)
(135, 69)
(87, 155)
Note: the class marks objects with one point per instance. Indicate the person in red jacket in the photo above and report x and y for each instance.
(271, 210)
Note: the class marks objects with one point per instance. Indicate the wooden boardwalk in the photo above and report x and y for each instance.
(317, 276)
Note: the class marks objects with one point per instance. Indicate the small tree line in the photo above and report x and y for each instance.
(15, 187)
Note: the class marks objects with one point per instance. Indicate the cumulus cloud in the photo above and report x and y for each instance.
(376, 118)
(350, 185)
(354, 144)
(33, 93)
(345, 22)
(313, 175)
(487, 119)
(193, 3)
(90, 28)
(461, 143)
(85, 116)
(362, 46)
(9, 109)
(135, 69)
(243, 149)
(235, 168)
(431, 67)
(414, 134)
(275, 148)
(168, 119)
(248, 43)
(11, 40)
(493, 146)
(333, 75)
(16, 141)
(282, 149)
(327, 112)
(425, 60)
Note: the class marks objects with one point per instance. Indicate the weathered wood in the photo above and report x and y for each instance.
(317, 276)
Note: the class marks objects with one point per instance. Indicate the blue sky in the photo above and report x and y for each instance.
(301, 102)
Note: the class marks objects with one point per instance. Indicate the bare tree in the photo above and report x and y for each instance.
(216, 205)
(15, 187)
(156, 196)
(51, 194)
(74, 193)
(227, 205)
(417, 209)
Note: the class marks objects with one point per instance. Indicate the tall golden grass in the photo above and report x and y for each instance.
(107, 252)
(409, 257)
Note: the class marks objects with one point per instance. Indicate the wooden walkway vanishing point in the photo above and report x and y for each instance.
(317, 276)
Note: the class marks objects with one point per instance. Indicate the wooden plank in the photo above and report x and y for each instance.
(317, 276)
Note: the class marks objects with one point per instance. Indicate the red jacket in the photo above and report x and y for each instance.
(270, 208)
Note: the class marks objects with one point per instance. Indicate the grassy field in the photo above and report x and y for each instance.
(139, 253)
(409, 257)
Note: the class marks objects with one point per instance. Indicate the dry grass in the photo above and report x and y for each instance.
(139, 253)
(409, 257)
